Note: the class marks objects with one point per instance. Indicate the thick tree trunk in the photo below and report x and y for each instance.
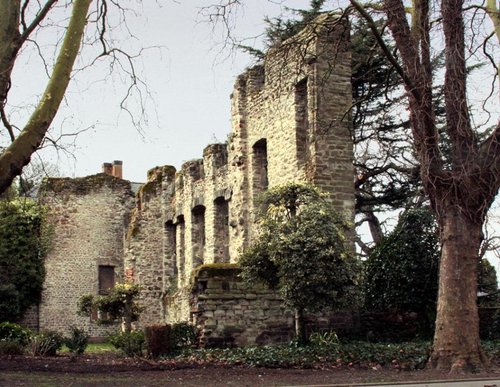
(457, 345)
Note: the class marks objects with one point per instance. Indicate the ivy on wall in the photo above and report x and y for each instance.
(24, 241)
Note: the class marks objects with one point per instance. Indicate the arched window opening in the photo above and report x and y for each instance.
(198, 235)
(171, 248)
(260, 180)
(221, 246)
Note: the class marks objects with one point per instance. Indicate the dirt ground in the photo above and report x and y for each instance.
(112, 370)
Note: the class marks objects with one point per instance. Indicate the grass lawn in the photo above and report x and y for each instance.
(94, 348)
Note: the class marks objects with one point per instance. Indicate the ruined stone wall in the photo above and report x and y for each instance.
(231, 313)
(146, 260)
(290, 123)
(89, 217)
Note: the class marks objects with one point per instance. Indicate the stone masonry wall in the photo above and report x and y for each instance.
(230, 313)
(290, 123)
(89, 216)
(145, 260)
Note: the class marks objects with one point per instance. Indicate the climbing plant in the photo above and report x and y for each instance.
(24, 241)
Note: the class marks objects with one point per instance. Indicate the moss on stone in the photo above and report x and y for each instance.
(211, 270)
(133, 226)
(83, 185)
(155, 179)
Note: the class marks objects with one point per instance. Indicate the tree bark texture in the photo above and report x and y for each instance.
(461, 188)
(457, 346)
(9, 43)
(18, 154)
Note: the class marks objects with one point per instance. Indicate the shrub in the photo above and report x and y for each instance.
(183, 335)
(130, 343)
(10, 348)
(46, 343)
(329, 339)
(14, 332)
(401, 273)
(489, 323)
(78, 341)
(158, 340)
(120, 303)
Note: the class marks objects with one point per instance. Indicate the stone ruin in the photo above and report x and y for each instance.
(181, 234)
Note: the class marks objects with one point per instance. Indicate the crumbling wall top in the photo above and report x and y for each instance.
(84, 185)
(193, 169)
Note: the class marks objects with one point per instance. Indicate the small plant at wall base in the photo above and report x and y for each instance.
(77, 341)
(120, 304)
(13, 338)
(130, 343)
(303, 252)
(45, 343)
(14, 332)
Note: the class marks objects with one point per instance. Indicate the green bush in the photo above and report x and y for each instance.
(183, 335)
(492, 348)
(130, 343)
(10, 348)
(77, 342)
(46, 343)
(492, 329)
(401, 273)
(14, 332)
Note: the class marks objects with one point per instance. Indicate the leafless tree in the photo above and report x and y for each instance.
(76, 25)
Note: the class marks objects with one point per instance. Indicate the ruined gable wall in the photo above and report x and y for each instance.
(89, 216)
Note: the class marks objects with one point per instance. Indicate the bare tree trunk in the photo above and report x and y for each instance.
(9, 43)
(457, 345)
(127, 317)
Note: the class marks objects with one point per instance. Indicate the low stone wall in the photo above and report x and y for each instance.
(230, 313)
